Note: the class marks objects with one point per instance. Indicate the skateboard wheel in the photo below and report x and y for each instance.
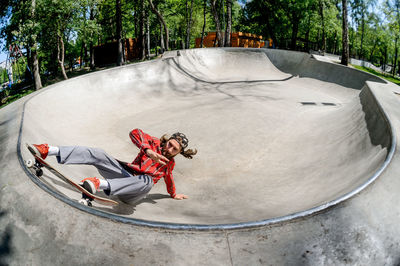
(83, 201)
(29, 163)
(39, 172)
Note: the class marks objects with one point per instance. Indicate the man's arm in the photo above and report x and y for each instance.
(140, 139)
(169, 181)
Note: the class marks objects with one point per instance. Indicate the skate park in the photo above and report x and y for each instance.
(297, 163)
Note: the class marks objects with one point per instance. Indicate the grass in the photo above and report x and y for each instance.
(20, 90)
(16, 96)
(388, 77)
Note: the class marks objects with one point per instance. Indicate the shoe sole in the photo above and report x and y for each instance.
(33, 150)
(89, 186)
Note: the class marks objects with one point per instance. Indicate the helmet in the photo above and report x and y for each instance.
(181, 139)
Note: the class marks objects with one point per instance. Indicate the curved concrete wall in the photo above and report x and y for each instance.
(41, 230)
(303, 157)
(304, 65)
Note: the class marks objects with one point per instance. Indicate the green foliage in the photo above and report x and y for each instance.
(384, 76)
(296, 24)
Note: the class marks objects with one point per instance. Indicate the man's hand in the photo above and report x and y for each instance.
(158, 158)
(180, 197)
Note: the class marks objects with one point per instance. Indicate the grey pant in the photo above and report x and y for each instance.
(129, 188)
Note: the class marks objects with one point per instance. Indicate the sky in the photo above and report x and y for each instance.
(3, 56)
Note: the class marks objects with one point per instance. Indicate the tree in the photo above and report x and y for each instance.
(204, 22)
(58, 17)
(321, 4)
(22, 29)
(345, 35)
(360, 14)
(162, 21)
(217, 22)
(189, 14)
(120, 58)
(32, 47)
(392, 11)
(228, 23)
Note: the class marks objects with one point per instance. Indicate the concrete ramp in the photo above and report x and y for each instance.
(218, 66)
(276, 134)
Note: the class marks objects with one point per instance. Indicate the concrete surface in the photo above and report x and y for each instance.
(278, 133)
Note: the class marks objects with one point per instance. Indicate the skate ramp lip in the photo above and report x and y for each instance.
(179, 81)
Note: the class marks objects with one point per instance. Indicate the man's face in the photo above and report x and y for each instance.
(171, 148)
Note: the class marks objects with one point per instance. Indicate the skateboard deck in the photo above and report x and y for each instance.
(87, 197)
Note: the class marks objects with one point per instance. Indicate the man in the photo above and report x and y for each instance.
(129, 181)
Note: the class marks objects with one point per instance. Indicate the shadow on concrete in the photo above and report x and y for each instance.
(5, 242)
(152, 198)
(128, 209)
(222, 82)
(378, 127)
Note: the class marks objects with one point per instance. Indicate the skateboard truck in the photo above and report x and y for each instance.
(37, 166)
(38, 163)
(85, 200)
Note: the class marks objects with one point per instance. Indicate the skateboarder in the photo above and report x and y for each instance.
(129, 181)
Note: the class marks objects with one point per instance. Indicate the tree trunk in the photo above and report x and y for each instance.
(148, 38)
(33, 48)
(36, 72)
(228, 23)
(395, 57)
(362, 33)
(29, 62)
(295, 29)
(136, 18)
(161, 39)
(60, 55)
(142, 41)
(204, 23)
(81, 57)
(269, 14)
(189, 25)
(386, 56)
(161, 19)
(334, 43)
(186, 20)
(321, 10)
(352, 40)
(345, 35)
(120, 58)
(307, 37)
(84, 55)
(223, 22)
(92, 65)
(217, 23)
(373, 49)
(91, 17)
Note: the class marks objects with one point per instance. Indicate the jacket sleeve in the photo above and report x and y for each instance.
(140, 139)
(169, 181)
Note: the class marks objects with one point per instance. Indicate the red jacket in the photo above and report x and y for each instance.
(145, 165)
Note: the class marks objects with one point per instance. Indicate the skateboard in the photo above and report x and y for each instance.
(87, 197)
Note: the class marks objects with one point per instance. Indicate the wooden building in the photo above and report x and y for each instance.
(107, 53)
(238, 39)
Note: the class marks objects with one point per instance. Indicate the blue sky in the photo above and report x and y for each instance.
(3, 56)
